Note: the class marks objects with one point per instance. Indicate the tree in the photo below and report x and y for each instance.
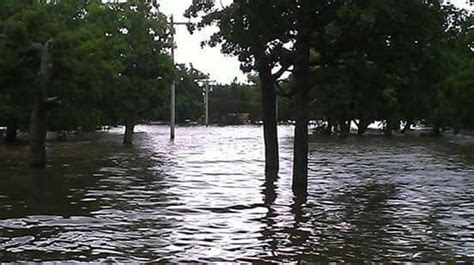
(189, 99)
(378, 62)
(453, 104)
(16, 72)
(260, 46)
(148, 69)
(32, 28)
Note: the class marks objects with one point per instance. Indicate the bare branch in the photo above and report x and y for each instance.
(49, 43)
(37, 46)
(52, 100)
(284, 68)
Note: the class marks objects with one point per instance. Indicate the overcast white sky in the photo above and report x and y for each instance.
(210, 60)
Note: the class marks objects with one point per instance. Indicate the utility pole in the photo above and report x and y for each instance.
(206, 101)
(173, 83)
(173, 89)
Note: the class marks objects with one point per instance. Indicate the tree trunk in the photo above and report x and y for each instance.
(389, 128)
(344, 128)
(406, 127)
(456, 130)
(362, 127)
(38, 118)
(270, 133)
(300, 154)
(128, 136)
(302, 86)
(37, 134)
(11, 133)
(437, 129)
(328, 130)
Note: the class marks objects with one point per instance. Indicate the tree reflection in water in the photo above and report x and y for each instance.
(201, 199)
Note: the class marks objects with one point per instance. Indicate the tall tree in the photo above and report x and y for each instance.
(260, 46)
(304, 13)
(148, 68)
(32, 28)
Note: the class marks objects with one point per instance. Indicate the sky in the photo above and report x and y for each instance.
(222, 68)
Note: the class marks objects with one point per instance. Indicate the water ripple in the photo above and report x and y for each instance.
(204, 198)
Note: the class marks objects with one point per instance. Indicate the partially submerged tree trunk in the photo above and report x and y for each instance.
(302, 86)
(406, 127)
(362, 126)
(11, 133)
(270, 133)
(37, 132)
(344, 128)
(437, 129)
(456, 130)
(128, 136)
(328, 130)
(300, 152)
(388, 128)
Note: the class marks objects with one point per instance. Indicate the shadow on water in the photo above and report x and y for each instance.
(93, 202)
(269, 219)
(364, 215)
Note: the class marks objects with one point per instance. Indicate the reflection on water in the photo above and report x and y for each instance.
(204, 198)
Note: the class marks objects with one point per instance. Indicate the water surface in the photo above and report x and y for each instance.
(204, 199)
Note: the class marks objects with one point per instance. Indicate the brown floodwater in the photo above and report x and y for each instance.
(203, 198)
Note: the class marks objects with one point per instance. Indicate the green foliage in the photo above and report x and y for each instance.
(454, 104)
(371, 60)
(110, 61)
(189, 94)
(379, 60)
(235, 98)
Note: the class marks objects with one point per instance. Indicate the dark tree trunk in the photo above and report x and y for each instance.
(328, 130)
(38, 118)
(300, 154)
(456, 130)
(302, 86)
(270, 133)
(128, 136)
(37, 134)
(11, 133)
(344, 128)
(388, 128)
(362, 127)
(406, 127)
(437, 129)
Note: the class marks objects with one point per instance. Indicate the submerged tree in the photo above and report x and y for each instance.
(98, 62)
(148, 68)
(260, 46)
(454, 102)
(381, 62)
(30, 31)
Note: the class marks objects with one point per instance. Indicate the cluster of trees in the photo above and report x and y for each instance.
(66, 64)
(340, 61)
(399, 67)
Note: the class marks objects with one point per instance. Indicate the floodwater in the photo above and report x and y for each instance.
(204, 199)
